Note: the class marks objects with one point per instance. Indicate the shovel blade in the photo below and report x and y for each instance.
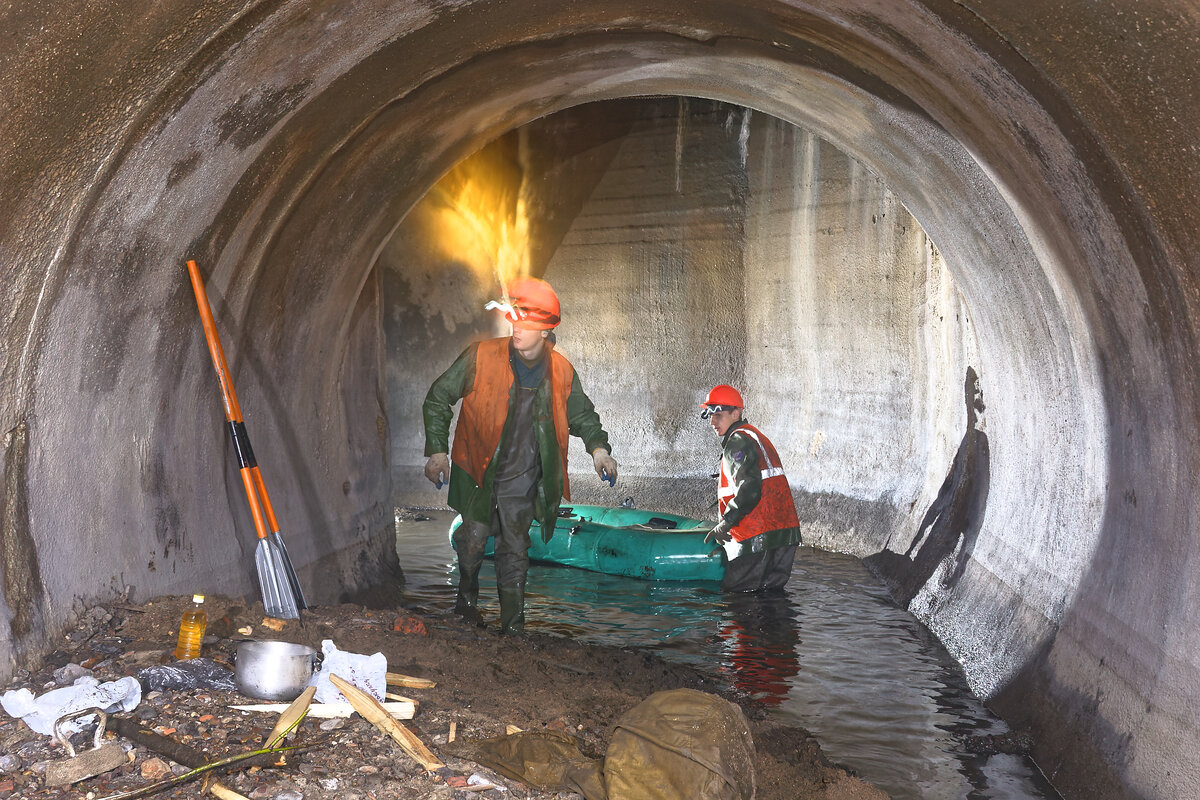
(294, 582)
(277, 582)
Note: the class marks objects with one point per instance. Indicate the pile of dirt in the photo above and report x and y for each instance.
(484, 683)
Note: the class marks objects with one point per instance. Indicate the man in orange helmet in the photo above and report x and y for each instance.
(520, 401)
(758, 527)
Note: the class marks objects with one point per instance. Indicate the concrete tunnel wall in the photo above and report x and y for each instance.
(713, 244)
(1049, 152)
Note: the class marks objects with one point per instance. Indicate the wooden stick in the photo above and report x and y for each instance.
(176, 751)
(453, 731)
(398, 710)
(399, 698)
(377, 715)
(408, 681)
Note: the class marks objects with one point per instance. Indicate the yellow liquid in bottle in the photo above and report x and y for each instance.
(191, 630)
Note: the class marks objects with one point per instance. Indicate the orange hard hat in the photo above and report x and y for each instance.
(724, 395)
(533, 304)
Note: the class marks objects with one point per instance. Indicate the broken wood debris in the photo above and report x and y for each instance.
(399, 698)
(408, 681)
(374, 712)
(174, 750)
(291, 716)
(395, 709)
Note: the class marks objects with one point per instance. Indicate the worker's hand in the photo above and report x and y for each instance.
(720, 533)
(437, 469)
(606, 465)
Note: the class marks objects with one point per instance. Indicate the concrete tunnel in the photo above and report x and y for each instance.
(913, 201)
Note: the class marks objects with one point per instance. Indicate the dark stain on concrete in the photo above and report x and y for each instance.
(22, 576)
(108, 341)
(256, 112)
(182, 168)
(168, 528)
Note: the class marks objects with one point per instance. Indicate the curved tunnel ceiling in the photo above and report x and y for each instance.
(281, 144)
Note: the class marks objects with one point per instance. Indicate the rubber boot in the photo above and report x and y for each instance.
(466, 603)
(512, 610)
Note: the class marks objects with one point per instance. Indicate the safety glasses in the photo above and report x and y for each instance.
(708, 411)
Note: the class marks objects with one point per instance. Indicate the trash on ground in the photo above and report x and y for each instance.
(174, 750)
(195, 673)
(368, 673)
(370, 709)
(101, 758)
(483, 682)
(40, 713)
(478, 783)
(695, 742)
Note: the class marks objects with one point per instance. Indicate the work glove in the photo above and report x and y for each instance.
(720, 533)
(606, 465)
(437, 469)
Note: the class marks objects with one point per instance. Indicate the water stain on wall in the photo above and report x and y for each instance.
(22, 577)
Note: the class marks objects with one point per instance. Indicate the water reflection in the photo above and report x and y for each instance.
(833, 654)
(759, 642)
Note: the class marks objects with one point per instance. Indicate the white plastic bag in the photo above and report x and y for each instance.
(40, 713)
(368, 673)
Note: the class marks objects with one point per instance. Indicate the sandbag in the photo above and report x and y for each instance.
(681, 744)
(543, 759)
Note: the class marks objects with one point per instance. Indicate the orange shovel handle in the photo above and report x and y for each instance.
(233, 411)
(256, 490)
(272, 523)
(255, 509)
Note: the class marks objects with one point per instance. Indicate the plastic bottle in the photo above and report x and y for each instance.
(191, 630)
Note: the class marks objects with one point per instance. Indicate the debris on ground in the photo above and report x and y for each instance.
(463, 684)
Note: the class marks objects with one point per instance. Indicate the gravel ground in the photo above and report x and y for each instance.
(484, 683)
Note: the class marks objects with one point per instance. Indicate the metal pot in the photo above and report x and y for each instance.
(274, 670)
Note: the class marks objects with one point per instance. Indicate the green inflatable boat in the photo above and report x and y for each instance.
(626, 541)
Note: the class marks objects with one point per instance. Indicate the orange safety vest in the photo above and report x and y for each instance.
(485, 408)
(776, 510)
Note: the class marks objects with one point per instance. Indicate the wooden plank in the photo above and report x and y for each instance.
(398, 710)
(408, 681)
(373, 711)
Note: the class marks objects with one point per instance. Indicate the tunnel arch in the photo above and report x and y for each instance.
(974, 222)
(246, 159)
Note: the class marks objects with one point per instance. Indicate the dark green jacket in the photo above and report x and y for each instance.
(474, 501)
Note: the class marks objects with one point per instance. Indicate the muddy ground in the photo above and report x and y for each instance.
(484, 682)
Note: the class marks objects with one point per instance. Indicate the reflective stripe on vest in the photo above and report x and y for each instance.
(776, 509)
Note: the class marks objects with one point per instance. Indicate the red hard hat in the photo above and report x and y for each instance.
(724, 395)
(534, 304)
